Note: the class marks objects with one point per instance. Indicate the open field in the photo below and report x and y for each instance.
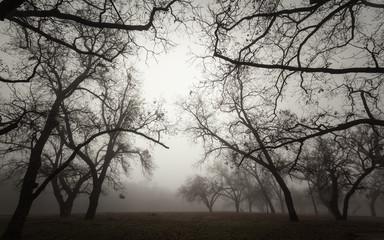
(192, 225)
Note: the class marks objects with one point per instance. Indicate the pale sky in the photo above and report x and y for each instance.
(170, 78)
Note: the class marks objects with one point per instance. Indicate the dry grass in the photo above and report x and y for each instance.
(192, 225)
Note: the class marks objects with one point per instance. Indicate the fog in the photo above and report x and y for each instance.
(147, 196)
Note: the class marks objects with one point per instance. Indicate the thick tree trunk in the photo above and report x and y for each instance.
(66, 207)
(16, 224)
(93, 201)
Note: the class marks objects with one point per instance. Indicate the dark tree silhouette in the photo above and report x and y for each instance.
(374, 188)
(322, 50)
(337, 167)
(120, 107)
(69, 183)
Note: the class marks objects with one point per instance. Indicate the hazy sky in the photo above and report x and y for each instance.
(170, 78)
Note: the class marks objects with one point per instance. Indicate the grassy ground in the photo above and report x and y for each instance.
(218, 226)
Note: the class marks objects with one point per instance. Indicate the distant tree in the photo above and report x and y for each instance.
(337, 167)
(233, 116)
(203, 189)
(263, 179)
(374, 188)
(251, 191)
(233, 183)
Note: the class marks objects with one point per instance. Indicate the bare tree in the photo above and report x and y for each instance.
(373, 187)
(58, 81)
(54, 20)
(205, 189)
(264, 182)
(337, 167)
(70, 182)
(233, 116)
(120, 108)
(233, 183)
(324, 58)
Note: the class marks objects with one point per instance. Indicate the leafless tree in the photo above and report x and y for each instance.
(373, 187)
(63, 72)
(325, 60)
(234, 117)
(54, 20)
(264, 182)
(337, 166)
(233, 183)
(120, 107)
(69, 183)
(205, 189)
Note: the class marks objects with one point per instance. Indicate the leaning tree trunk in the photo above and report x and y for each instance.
(353, 190)
(16, 224)
(288, 197)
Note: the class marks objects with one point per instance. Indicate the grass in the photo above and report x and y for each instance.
(192, 225)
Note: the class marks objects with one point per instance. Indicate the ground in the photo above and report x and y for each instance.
(196, 225)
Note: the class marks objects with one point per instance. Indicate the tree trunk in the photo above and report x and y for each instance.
(210, 208)
(312, 198)
(288, 197)
(93, 201)
(237, 205)
(16, 224)
(66, 208)
(372, 208)
(250, 206)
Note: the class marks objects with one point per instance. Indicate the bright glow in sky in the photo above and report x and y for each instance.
(169, 79)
